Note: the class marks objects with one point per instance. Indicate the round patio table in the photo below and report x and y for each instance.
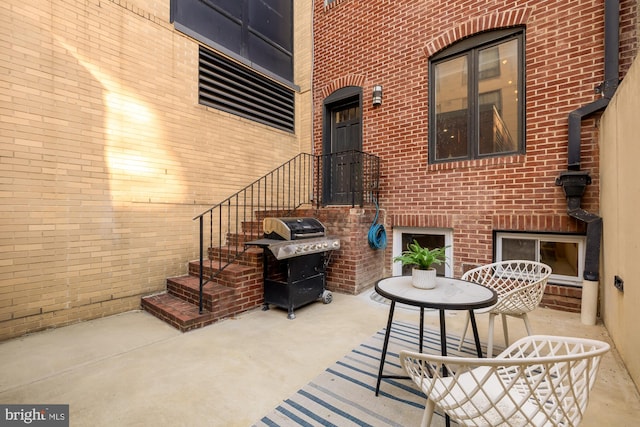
(449, 294)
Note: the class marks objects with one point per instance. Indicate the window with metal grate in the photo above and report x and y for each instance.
(231, 87)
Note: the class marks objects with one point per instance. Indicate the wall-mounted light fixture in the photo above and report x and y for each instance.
(377, 95)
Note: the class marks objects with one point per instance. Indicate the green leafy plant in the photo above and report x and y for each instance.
(422, 258)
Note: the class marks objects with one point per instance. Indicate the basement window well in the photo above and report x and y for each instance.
(564, 253)
(426, 237)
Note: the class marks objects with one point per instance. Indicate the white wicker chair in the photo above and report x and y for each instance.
(537, 381)
(520, 287)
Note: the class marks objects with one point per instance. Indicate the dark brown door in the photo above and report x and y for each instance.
(344, 159)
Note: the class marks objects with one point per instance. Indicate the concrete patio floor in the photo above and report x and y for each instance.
(134, 370)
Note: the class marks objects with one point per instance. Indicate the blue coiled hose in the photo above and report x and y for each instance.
(377, 234)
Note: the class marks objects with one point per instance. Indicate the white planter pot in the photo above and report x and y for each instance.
(423, 279)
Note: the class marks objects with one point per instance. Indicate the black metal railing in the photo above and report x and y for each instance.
(350, 177)
(347, 178)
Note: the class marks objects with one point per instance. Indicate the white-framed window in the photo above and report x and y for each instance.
(564, 253)
(427, 237)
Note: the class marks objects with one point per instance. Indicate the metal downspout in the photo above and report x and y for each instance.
(574, 181)
(606, 88)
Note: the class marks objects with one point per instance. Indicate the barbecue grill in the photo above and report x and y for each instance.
(296, 253)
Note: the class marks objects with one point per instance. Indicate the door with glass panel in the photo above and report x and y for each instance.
(343, 168)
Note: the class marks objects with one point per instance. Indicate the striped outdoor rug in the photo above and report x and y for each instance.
(344, 394)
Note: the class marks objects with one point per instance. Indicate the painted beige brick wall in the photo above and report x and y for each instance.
(620, 200)
(106, 156)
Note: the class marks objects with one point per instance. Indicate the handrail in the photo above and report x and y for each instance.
(236, 219)
(305, 157)
(347, 177)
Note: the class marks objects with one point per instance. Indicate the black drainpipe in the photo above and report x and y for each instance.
(574, 181)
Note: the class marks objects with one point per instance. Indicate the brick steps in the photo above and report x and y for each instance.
(254, 233)
(235, 289)
(251, 257)
(239, 287)
(180, 314)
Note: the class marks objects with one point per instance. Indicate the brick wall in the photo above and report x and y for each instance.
(356, 266)
(106, 156)
(389, 43)
(566, 298)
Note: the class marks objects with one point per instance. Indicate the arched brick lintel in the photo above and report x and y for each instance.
(493, 21)
(350, 80)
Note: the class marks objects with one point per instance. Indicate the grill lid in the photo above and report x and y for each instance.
(292, 228)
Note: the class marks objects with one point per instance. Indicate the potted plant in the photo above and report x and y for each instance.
(423, 274)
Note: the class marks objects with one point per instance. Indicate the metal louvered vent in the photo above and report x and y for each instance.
(227, 86)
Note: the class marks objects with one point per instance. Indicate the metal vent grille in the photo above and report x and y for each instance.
(227, 86)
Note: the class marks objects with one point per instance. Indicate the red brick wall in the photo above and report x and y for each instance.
(566, 298)
(389, 43)
(355, 266)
